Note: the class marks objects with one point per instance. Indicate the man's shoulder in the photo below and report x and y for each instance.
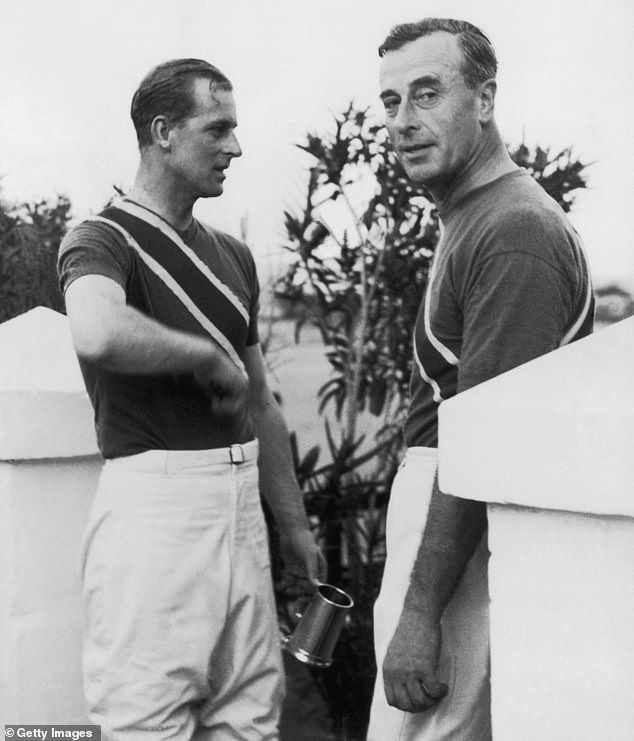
(226, 241)
(518, 194)
(513, 219)
(535, 219)
(222, 236)
(522, 215)
(526, 195)
(93, 247)
(91, 231)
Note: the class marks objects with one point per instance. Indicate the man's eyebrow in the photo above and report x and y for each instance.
(221, 123)
(387, 94)
(424, 80)
(418, 82)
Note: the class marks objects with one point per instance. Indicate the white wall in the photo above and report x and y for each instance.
(550, 447)
(49, 466)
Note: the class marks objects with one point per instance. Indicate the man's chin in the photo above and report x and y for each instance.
(418, 173)
(213, 192)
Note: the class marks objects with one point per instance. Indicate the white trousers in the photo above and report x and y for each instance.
(464, 714)
(180, 632)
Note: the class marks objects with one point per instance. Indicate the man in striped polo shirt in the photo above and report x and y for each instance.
(181, 636)
(509, 283)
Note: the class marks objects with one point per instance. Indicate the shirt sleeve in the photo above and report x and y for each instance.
(93, 248)
(516, 309)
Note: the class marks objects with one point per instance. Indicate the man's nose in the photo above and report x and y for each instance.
(405, 119)
(233, 146)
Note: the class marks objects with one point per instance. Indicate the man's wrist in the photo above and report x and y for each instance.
(423, 605)
(287, 505)
(296, 527)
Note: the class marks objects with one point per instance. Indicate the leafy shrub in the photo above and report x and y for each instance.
(30, 235)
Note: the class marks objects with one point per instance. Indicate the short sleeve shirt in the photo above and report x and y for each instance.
(164, 412)
(509, 283)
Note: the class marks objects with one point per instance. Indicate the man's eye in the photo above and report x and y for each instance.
(425, 97)
(391, 106)
(218, 130)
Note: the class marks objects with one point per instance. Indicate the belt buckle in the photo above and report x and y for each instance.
(236, 453)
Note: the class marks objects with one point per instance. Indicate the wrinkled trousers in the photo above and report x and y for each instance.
(464, 714)
(180, 632)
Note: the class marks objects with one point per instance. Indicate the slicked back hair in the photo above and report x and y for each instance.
(479, 62)
(166, 90)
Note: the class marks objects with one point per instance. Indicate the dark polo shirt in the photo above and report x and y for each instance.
(135, 413)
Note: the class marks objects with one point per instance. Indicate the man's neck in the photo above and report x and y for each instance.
(490, 161)
(155, 194)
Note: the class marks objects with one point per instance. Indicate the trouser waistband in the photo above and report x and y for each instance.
(152, 460)
(418, 451)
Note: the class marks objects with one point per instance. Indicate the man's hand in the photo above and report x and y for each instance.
(225, 385)
(302, 557)
(410, 665)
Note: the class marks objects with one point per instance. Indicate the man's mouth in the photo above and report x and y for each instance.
(413, 149)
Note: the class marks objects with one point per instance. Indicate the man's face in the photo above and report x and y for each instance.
(431, 116)
(203, 145)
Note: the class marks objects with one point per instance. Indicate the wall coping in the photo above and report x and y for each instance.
(554, 433)
(45, 411)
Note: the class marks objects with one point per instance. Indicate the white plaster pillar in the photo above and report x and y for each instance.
(550, 447)
(49, 464)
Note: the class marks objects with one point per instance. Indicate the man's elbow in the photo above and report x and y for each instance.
(93, 343)
(96, 308)
(264, 404)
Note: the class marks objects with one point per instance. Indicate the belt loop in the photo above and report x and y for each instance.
(236, 453)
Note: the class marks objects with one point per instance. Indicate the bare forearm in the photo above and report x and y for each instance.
(453, 531)
(301, 555)
(130, 342)
(110, 333)
(410, 669)
(277, 479)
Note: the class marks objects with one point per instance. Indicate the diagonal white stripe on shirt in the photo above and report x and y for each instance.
(178, 291)
(158, 223)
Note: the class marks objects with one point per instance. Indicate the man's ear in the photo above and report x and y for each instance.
(487, 100)
(160, 129)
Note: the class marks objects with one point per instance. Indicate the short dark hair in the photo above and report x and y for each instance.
(479, 62)
(166, 90)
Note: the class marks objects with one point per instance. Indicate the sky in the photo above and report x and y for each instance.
(68, 70)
